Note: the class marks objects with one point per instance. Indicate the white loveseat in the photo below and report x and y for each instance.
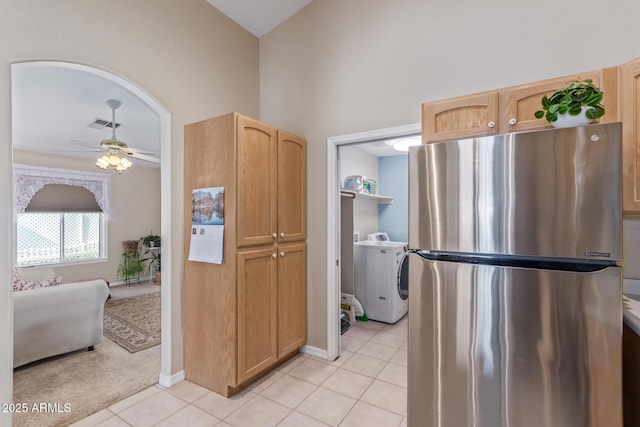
(57, 319)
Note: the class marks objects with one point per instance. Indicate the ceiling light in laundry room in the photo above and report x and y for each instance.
(403, 144)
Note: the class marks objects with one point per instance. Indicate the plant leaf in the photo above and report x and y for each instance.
(545, 102)
(575, 109)
(539, 114)
(594, 99)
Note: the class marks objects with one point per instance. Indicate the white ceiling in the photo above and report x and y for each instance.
(259, 16)
(53, 106)
(381, 148)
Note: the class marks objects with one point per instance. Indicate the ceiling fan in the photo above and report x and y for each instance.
(112, 146)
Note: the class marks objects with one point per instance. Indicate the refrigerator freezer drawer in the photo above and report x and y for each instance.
(552, 193)
(493, 346)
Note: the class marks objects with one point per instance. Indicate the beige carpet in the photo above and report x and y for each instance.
(87, 381)
(133, 323)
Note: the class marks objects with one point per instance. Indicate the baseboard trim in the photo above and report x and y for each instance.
(315, 352)
(171, 380)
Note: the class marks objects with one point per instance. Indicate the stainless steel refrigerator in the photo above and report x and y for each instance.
(515, 313)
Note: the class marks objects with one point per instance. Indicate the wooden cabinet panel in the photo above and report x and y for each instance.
(518, 104)
(209, 289)
(257, 181)
(292, 298)
(461, 117)
(257, 312)
(292, 185)
(630, 85)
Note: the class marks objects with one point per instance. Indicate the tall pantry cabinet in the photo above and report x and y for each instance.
(244, 316)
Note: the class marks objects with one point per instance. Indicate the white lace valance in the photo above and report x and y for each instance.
(30, 179)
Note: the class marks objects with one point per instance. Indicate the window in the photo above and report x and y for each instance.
(64, 237)
(61, 214)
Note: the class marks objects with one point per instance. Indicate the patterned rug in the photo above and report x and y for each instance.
(133, 323)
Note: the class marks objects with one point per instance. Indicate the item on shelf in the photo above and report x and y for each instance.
(354, 183)
(579, 97)
(370, 186)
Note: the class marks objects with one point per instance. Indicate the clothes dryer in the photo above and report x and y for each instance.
(378, 279)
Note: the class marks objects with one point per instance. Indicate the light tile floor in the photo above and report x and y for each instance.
(366, 386)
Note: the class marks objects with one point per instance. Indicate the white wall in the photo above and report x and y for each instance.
(355, 161)
(339, 67)
(190, 57)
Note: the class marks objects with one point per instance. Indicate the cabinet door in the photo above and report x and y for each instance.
(292, 298)
(257, 312)
(461, 117)
(518, 104)
(292, 187)
(257, 181)
(630, 84)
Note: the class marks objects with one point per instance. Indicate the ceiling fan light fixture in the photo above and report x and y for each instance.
(111, 159)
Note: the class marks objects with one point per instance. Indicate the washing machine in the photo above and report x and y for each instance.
(379, 283)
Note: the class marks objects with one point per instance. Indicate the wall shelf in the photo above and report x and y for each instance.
(366, 196)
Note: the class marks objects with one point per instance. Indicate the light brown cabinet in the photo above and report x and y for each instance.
(630, 112)
(272, 306)
(506, 110)
(257, 312)
(292, 297)
(257, 182)
(461, 117)
(292, 184)
(244, 316)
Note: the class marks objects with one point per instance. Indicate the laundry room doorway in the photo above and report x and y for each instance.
(367, 198)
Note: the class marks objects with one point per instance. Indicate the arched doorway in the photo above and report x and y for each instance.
(165, 376)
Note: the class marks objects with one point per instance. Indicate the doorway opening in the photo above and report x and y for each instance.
(335, 182)
(166, 378)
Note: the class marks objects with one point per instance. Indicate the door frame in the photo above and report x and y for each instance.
(333, 220)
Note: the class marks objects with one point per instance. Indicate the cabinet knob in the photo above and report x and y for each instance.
(274, 255)
(275, 235)
(512, 122)
(282, 253)
(492, 125)
(282, 235)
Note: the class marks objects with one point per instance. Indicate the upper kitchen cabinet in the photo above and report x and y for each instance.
(519, 103)
(271, 184)
(630, 97)
(507, 110)
(460, 117)
(292, 212)
(257, 182)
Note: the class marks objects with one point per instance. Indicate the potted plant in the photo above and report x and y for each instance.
(129, 245)
(151, 240)
(130, 266)
(579, 97)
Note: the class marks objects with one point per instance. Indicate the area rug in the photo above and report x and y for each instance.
(133, 323)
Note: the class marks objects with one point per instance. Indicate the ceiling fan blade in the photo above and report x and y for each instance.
(85, 144)
(79, 150)
(140, 151)
(144, 157)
